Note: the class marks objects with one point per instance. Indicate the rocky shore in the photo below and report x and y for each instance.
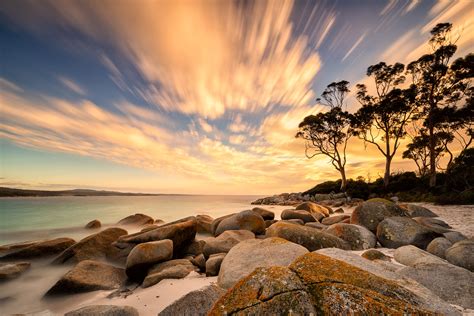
(336, 256)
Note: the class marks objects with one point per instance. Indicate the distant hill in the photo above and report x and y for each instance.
(12, 192)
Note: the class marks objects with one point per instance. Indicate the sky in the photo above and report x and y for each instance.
(199, 97)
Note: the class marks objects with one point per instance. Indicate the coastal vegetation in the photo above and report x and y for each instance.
(430, 101)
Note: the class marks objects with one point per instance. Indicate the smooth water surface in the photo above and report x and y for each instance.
(21, 217)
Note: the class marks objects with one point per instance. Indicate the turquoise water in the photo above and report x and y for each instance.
(40, 217)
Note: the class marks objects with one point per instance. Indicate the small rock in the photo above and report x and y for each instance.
(88, 276)
(373, 254)
(394, 232)
(335, 219)
(266, 214)
(339, 210)
(313, 208)
(438, 247)
(196, 303)
(10, 271)
(104, 310)
(305, 216)
(411, 255)
(462, 254)
(136, 219)
(213, 264)
(169, 272)
(93, 224)
(416, 210)
(200, 262)
(145, 255)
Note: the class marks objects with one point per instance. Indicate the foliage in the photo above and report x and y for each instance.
(439, 87)
(328, 133)
(382, 119)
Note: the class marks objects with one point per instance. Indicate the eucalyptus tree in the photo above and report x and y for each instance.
(382, 119)
(327, 133)
(439, 85)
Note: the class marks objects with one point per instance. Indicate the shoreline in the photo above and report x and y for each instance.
(151, 300)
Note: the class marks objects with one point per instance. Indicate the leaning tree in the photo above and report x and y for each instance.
(327, 133)
(384, 115)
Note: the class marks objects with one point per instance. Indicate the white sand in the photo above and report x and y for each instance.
(148, 301)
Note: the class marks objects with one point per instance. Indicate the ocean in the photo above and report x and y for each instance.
(31, 218)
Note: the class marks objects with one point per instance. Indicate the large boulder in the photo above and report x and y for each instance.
(88, 276)
(266, 214)
(310, 238)
(438, 247)
(370, 213)
(93, 247)
(204, 224)
(394, 232)
(462, 254)
(414, 210)
(411, 256)
(145, 255)
(10, 271)
(453, 284)
(305, 216)
(196, 303)
(136, 219)
(181, 232)
(313, 208)
(217, 221)
(266, 291)
(316, 225)
(213, 264)
(41, 249)
(253, 253)
(225, 241)
(358, 237)
(246, 220)
(104, 310)
(320, 285)
(434, 224)
(335, 219)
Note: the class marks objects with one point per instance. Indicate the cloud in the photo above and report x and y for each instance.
(73, 86)
(356, 44)
(218, 57)
(412, 4)
(414, 43)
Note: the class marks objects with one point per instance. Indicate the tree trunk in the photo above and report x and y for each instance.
(432, 154)
(343, 179)
(386, 177)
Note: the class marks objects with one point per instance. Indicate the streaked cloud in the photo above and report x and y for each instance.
(71, 85)
(354, 46)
